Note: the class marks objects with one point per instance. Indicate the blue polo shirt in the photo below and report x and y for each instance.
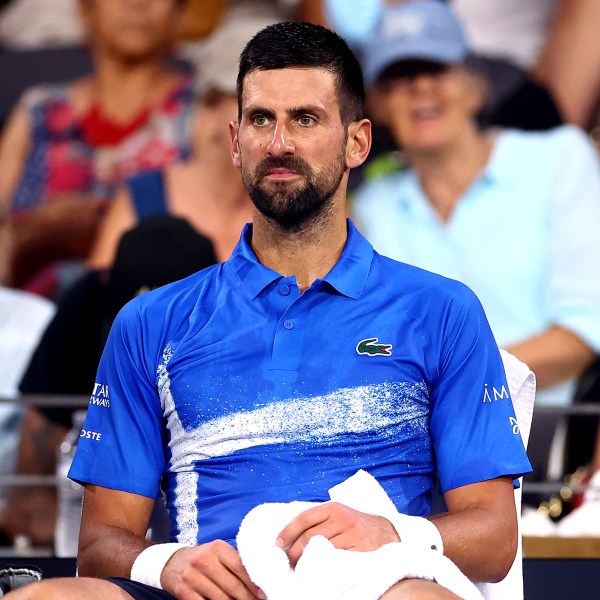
(231, 388)
(524, 236)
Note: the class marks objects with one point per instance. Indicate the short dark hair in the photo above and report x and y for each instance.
(292, 44)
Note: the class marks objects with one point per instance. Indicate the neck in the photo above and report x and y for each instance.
(447, 172)
(214, 173)
(124, 88)
(309, 253)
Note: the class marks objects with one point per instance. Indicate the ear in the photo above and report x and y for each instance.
(377, 107)
(86, 17)
(359, 143)
(479, 88)
(235, 144)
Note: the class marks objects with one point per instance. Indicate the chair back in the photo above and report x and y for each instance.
(521, 384)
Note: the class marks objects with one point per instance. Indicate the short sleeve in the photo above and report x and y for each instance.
(574, 220)
(473, 424)
(121, 446)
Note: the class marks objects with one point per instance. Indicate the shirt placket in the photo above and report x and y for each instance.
(289, 332)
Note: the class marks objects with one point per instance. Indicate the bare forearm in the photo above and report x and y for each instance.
(570, 59)
(480, 529)
(31, 510)
(478, 544)
(111, 553)
(40, 439)
(596, 457)
(554, 355)
(113, 530)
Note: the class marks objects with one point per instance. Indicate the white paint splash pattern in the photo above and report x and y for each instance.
(388, 409)
(317, 419)
(186, 509)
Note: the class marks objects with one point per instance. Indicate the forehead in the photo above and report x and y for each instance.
(290, 88)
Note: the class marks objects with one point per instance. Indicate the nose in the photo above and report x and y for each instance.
(422, 81)
(281, 142)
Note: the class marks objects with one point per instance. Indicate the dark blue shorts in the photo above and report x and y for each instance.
(140, 591)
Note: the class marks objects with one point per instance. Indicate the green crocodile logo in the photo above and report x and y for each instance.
(370, 347)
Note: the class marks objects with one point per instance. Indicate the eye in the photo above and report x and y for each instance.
(259, 120)
(306, 120)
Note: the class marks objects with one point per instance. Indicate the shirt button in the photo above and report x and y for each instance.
(289, 324)
(284, 290)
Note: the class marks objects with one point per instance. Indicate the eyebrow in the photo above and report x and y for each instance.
(294, 111)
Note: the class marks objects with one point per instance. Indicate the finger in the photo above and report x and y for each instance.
(233, 563)
(328, 529)
(219, 583)
(210, 573)
(301, 523)
(344, 541)
(231, 586)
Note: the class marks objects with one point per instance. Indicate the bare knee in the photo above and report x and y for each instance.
(33, 591)
(71, 588)
(418, 589)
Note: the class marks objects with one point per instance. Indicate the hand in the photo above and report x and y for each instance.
(70, 211)
(344, 527)
(59, 229)
(212, 571)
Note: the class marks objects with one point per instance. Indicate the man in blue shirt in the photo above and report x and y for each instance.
(282, 372)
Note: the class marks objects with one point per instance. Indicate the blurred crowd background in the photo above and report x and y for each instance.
(116, 178)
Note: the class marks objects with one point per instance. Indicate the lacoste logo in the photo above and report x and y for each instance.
(370, 347)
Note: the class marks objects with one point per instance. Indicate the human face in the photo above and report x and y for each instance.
(427, 106)
(209, 133)
(291, 144)
(132, 29)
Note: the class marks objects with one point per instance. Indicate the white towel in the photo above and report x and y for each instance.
(326, 573)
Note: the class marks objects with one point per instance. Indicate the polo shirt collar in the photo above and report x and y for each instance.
(348, 276)
(255, 277)
(501, 160)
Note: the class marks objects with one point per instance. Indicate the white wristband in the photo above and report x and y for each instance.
(417, 531)
(148, 566)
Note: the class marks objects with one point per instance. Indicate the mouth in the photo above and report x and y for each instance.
(281, 174)
(426, 114)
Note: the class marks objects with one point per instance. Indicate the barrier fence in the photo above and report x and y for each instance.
(78, 401)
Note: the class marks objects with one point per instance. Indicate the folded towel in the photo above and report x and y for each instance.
(326, 573)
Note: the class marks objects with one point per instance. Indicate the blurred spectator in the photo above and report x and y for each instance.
(515, 215)
(206, 190)
(23, 318)
(207, 193)
(569, 64)
(67, 147)
(513, 30)
(555, 40)
(208, 17)
(29, 24)
(160, 250)
(199, 19)
(513, 97)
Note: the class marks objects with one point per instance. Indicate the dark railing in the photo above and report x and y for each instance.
(74, 401)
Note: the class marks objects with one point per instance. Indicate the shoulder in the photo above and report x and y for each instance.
(181, 93)
(377, 193)
(415, 285)
(528, 158)
(384, 183)
(147, 178)
(442, 309)
(44, 94)
(167, 306)
(563, 137)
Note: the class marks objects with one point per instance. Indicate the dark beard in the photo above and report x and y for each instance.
(294, 209)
